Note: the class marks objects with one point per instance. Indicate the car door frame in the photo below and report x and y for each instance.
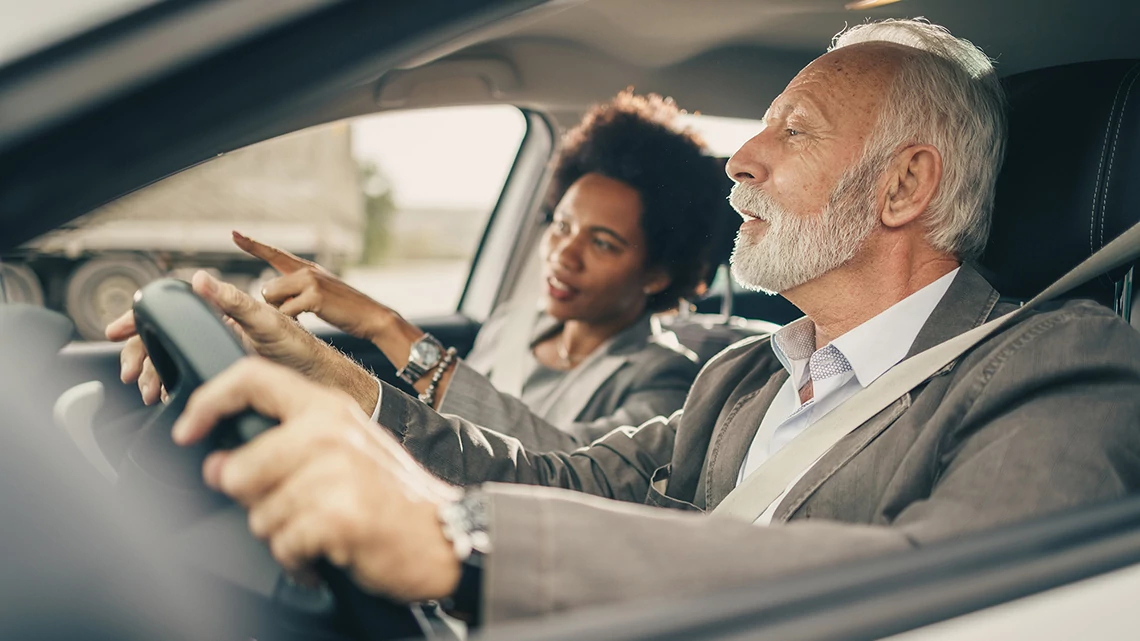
(511, 231)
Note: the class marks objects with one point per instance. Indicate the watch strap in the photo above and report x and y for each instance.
(411, 373)
(467, 600)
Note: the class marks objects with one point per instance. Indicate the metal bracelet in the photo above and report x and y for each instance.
(428, 395)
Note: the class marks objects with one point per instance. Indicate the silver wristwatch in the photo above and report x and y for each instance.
(425, 354)
(466, 526)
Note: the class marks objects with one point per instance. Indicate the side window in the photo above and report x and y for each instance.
(395, 203)
(723, 137)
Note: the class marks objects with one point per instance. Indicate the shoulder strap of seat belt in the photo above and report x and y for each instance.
(754, 495)
(507, 369)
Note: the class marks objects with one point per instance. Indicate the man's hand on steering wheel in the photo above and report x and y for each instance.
(326, 482)
(262, 329)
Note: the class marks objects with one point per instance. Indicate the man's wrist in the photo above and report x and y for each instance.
(333, 369)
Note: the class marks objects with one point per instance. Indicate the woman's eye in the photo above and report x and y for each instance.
(793, 132)
(604, 245)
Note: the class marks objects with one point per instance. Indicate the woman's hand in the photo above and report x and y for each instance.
(305, 286)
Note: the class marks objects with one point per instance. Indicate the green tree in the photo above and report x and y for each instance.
(379, 208)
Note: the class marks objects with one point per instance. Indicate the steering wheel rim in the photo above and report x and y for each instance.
(189, 344)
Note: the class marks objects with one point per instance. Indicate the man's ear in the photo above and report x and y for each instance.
(915, 176)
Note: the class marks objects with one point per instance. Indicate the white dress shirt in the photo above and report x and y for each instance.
(379, 397)
(837, 371)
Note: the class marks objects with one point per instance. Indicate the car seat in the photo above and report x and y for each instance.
(1069, 184)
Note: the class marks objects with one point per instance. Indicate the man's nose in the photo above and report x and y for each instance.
(747, 164)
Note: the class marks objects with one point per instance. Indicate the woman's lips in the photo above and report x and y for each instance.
(559, 290)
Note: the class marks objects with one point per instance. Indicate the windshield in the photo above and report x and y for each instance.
(26, 27)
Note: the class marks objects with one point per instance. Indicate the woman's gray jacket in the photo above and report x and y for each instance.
(635, 376)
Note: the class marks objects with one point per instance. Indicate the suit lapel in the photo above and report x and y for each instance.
(837, 457)
(968, 303)
(733, 436)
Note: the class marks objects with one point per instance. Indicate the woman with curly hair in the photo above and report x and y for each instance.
(631, 204)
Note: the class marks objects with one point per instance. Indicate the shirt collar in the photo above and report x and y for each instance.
(794, 344)
(871, 348)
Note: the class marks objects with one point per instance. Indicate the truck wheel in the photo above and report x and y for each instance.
(102, 289)
(21, 285)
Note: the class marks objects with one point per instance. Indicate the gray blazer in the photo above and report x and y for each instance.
(633, 377)
(1041, 417)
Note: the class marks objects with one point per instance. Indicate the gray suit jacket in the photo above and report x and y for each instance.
(1041, 417)
(633, 377)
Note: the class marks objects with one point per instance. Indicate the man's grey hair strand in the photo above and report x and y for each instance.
(947, 95)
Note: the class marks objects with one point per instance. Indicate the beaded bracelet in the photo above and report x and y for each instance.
(428, 395)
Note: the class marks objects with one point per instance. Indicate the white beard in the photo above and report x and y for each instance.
(796, 249)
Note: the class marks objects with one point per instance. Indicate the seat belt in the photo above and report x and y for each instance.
(507, 369)
(755, 494)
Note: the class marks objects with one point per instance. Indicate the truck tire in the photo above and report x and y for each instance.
(21, 285)
(102, 289)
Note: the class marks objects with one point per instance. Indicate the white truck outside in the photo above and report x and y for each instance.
(301, 192)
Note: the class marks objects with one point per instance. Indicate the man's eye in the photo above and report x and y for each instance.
(604, 245)
(793, 132)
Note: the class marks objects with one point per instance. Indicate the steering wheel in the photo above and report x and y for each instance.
(189, 344)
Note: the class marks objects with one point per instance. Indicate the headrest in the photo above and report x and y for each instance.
(1071, 179)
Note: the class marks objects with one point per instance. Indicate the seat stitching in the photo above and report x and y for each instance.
(1112, 157)
(1100, 167)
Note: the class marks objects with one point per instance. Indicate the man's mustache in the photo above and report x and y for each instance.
(752, 202)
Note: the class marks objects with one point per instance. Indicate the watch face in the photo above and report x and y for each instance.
(425, 353)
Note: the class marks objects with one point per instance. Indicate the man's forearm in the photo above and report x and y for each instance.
(333, 369)
(463, 453)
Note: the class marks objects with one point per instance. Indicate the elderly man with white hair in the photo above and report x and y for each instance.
(864, 197)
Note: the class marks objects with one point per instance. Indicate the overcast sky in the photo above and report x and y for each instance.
(447, 157)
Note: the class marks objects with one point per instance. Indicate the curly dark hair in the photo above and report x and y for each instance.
(633, 139)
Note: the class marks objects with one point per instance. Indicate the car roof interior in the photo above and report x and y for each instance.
(725, 58)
